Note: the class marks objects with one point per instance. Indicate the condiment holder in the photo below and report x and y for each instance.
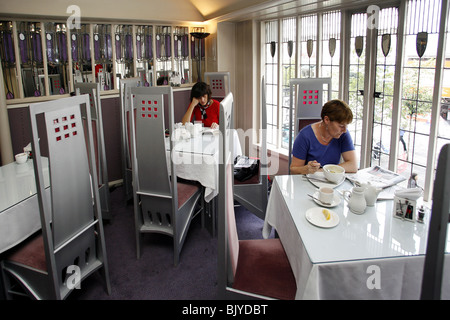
(405, 204)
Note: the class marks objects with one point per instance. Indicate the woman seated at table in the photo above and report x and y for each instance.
(202, 106)
(325, 142)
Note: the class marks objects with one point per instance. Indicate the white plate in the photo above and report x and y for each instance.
(317, 218)
(336, 200)
(322, 181)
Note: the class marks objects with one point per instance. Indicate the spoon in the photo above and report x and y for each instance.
(319, 200)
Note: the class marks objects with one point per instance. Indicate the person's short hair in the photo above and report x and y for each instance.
(200, 89)
(337, 110)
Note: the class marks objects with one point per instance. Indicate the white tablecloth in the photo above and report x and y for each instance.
(347, 261)
(197, 159)
(19, 209)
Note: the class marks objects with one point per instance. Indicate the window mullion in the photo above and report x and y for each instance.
(345, 55)
(436, 106)
(369, 100)
(319, 46)
(280, 84)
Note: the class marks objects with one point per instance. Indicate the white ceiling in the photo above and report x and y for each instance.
(264, 9)
(174, 10)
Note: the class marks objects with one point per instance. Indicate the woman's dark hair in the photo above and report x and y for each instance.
(199, 90)
(337, 110)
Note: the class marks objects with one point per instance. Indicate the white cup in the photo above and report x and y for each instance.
(21, 158)
(326, 194)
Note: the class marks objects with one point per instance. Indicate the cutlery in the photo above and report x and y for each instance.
(319, 179)
(318, 199)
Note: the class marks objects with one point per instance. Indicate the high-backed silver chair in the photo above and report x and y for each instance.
(71, 246)
(246, 268)
(253, 193)
(308, 104)
(161, 203)
(219, 83)
(437, 233)
(125, 86)
(93, 90)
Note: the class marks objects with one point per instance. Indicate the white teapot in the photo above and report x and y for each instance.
(371, 193)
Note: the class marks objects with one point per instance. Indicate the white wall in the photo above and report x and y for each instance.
(148, 10)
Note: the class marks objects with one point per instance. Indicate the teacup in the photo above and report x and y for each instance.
(326, 194)
(21, 157)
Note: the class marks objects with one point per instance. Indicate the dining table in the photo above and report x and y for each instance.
(19, 208)
(197, 159)
(372, 255)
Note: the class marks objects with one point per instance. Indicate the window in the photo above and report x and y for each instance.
(289, 33)
(331, 48)
(400, 123)
(421, 42)
(271, 72)
(308, 46)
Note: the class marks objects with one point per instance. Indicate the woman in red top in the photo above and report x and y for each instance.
(202, 106)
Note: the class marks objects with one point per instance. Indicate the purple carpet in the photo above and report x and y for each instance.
(153, 276)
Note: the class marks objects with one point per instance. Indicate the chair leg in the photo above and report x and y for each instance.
(105, 275)
(6, 283)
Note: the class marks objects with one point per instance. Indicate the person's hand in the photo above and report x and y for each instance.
(214, 125)
(313, 166)
(195, 101)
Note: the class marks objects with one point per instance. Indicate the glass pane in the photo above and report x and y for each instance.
(271, 79)
(331, 26)
(308, 46)
(123, 42)
(81, 54)
(384, 87)
(103, 56)
(31, 56)
(181, 53)
(289, 34)
(356, 76)
(57, 58)
(8, 59)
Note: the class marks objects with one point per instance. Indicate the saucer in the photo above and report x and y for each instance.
(317, 218)
(336, 200)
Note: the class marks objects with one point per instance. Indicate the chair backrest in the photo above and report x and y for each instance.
(93, 90)
(311, 93)
(148, 142)
(228, 239)
(219, 82)
(437, 233)
(263, 155)
(70, 221)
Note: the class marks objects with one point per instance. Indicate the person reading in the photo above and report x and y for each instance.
(202, 107)
(325, 142)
